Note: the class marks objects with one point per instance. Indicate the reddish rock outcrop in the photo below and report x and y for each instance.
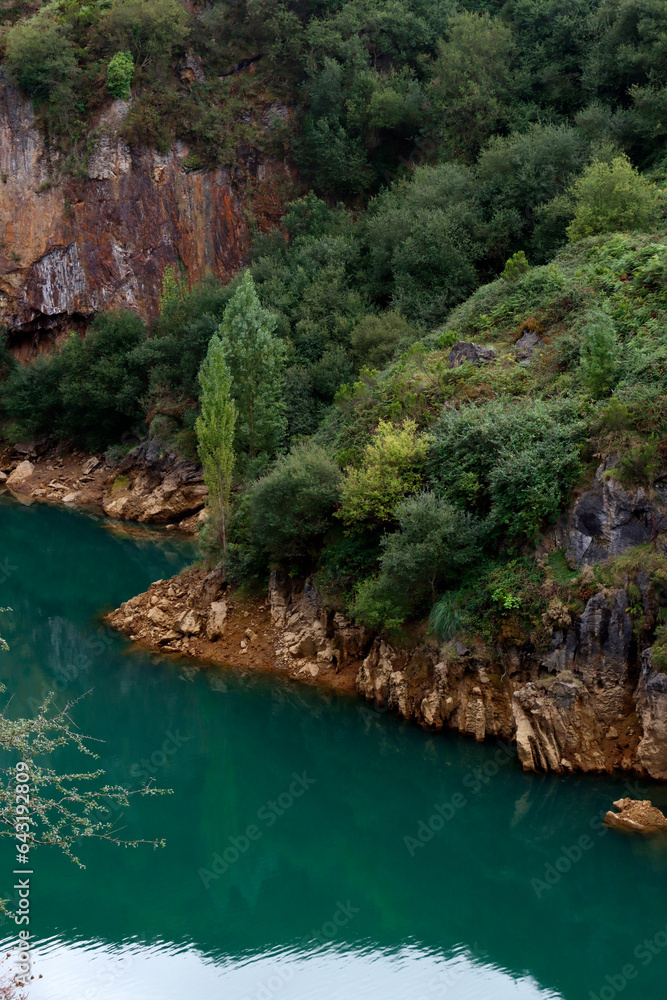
(70, 246)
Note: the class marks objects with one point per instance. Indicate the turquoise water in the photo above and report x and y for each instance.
(294, 866)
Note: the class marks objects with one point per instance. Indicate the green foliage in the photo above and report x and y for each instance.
(640, 465)
(392, 467)
(516, 265)
(512, 462)
(215, 436)
(40, 58)
(151, 30)
(375, 608)
(599, 354)
(119, 74)
(476, 78)
(256, 360)
(375, 339)
(91, 391)
(291, 508)
(435, 542)
(610, 197)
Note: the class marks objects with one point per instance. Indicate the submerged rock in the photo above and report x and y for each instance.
(636, 816)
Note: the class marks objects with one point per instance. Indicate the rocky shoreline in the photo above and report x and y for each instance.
(145, 485)
(566, 720)
(592, 703)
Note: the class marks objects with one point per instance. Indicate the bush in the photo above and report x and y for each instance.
(119, 74)
(40, 58)
(516, 265)
(91, 391)
(392, 467)
(640, 465)
(150, 29)
(434, 544)
(599, 354)
(611, 197)
(446, 617)
(375, 339)
(509, 460)
(291, 508)
(375, 608)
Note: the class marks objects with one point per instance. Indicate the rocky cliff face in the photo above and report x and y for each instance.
(70, 246)
(592, 703)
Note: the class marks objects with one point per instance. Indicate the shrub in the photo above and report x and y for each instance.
(640, 465)
(516, 265)
(150, 29)
(610, 197)
(119, 74)
(599, 354)
(374, 607)
(291, 507)
(434, 544)
(392, 467)
(91, 391)
(375, 339)
(40, 58)
(513, 461)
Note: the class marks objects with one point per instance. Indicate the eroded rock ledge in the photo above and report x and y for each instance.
(589, 716)
(146, 486)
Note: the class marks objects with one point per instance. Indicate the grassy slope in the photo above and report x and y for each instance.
(624, 275)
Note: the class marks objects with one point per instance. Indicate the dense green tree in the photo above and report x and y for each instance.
(256, 360)
(476, 79)
(599, 353)
(291, 507)
(150, 29)
(215, 436)
(434, 543)
(612, 196)
(119, 74)
(41, 59)
(391, 469)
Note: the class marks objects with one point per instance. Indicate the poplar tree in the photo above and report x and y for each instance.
(215, 435)
(256, 360)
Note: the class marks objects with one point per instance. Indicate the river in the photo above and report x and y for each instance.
(315, 847)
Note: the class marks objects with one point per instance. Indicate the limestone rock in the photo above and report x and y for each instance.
(525, 346)
(651, 702)
(77, 245)
(21, 473)
(557, 727)
(636, 816)
(189, 623)
(90, 464)
(474, 353)
(215, 624)
(607, 521)
(3, 477)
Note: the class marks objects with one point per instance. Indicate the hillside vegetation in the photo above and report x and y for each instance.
(481, 173)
